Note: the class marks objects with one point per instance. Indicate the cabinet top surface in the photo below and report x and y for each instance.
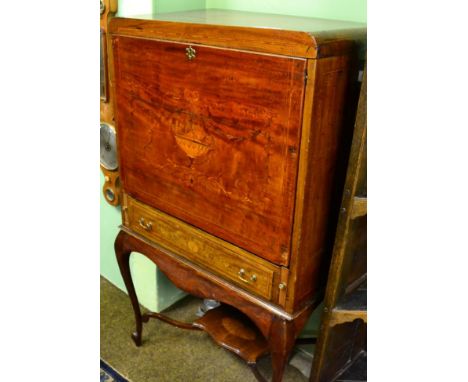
(278, 34)
(254, 20)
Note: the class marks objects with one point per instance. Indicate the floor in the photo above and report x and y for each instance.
(357, 372)
(168, 353)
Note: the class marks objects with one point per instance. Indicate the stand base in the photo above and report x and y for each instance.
(251, 330)
(229, 328)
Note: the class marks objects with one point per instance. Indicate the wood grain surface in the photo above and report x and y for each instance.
(236, 265)
(279, 329)
(279, 34)
(201, 283)
(106, 106)
(342, 332)
(111, 178)
(213, 140)
(111, 187)
(321, 133)
(229, 135)
(234, 331)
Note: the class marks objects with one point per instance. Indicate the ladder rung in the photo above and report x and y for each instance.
(359, 207)
(340, 316)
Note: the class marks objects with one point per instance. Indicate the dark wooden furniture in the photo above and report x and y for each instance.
(229, 126)
(342, 339)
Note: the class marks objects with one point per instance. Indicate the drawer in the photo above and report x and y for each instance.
(226, 260)
(212, 140)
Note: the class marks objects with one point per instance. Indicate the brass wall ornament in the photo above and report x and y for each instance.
(190, 53)
(108, 147)
(109, 164)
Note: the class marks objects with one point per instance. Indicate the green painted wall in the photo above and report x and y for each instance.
(178, 5)
(110, 220)
(351, 10)
(154, 290)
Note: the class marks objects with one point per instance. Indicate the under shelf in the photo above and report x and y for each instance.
(352, 307)
(234, 331)
(359, 207)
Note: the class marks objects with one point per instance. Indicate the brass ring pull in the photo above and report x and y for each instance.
(241, 273)
(146, 226)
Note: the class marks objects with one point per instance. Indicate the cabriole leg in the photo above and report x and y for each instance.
(282, 337)
(122, 252)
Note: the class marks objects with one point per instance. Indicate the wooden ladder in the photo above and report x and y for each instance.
(343, 332)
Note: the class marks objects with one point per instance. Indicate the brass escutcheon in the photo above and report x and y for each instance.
(190, 53)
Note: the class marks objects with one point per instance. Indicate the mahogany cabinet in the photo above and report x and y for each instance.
(229, 127)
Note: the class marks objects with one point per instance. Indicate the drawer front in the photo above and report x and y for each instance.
(211, 136)
(234, 264)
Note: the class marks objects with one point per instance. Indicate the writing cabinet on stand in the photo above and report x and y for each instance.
(228, 138)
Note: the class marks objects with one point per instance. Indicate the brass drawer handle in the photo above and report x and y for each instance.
(146, 226)
(241, 273)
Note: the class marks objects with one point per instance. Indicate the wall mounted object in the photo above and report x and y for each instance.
(109, 167)
(229, 126)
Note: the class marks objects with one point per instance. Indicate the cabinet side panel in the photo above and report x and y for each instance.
(321, 139)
